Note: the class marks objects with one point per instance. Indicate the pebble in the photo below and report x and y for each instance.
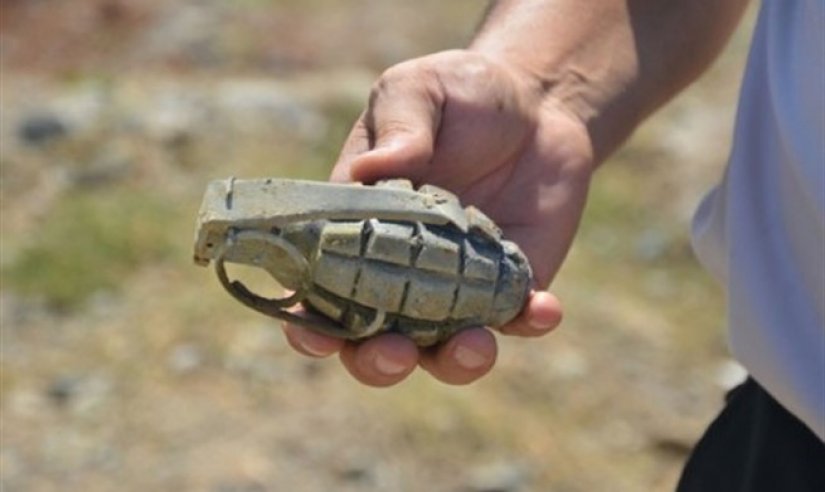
(730, 374)
(239, 486)
(39, 129)
(185, 358)
(81, 394)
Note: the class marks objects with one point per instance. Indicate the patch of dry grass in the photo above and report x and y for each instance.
(91, 242)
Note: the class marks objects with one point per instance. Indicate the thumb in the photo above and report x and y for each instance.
(402, 121)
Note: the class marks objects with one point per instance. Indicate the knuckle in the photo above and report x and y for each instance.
(389, 78)
(403, 71)
(409, 75)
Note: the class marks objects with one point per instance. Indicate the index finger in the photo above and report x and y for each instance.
(357, 142)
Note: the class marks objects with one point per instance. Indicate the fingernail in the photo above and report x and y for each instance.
(388, 367)
(312, 350)
(469, 358)
(537, 325)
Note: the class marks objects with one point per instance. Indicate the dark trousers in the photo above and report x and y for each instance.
(755, 445)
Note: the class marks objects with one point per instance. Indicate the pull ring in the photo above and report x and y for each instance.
(275, 308)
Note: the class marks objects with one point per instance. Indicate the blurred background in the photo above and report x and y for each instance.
(126, 367)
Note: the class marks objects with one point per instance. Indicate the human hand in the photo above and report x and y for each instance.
(501, 141)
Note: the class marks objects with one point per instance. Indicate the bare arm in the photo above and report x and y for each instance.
(611, 62)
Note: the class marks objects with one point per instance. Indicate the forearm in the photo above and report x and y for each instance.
(610, 62)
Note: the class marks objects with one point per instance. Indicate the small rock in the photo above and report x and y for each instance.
(730, 374)
(673, 447)
(185, 358)
(356, 469)
(312, 368)
(39, 129)
(63, 389)
(356, 475)
(239, 486)
(112, 164)
(79, 393)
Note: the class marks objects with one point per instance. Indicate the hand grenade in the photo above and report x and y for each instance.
(364, 259)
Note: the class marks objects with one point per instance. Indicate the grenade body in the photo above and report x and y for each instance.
(372, 274)
(423, 281)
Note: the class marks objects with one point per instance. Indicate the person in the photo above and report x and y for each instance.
(518, 122)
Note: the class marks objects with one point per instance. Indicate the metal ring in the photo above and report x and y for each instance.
(275, 307)
(241, 292)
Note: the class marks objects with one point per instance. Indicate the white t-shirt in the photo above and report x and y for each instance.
(761, 231)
